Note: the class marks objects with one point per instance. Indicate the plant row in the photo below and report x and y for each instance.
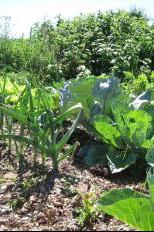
(33, 117)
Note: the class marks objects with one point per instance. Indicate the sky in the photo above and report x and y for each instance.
(25, 13)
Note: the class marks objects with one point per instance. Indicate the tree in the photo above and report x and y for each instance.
(5, 27)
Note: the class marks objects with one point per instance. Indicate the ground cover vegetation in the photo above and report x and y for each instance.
(77, 120)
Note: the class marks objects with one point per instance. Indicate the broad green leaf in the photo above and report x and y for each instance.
(78, 91)
(148, 143)
(44, 98)
(94, 93)
(120, 160)
(150, 180)
(139, 125)
(116, 195)
(106, 130)
(130, 207)
(105, 91)
(119, 110)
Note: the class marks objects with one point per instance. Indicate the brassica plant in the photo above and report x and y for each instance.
(94, 93)
(128, 134)
(131, 207)
(127, 127)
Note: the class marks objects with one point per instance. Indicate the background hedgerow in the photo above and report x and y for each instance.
(112, 42)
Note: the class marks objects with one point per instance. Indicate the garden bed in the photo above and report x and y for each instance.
(41, 200)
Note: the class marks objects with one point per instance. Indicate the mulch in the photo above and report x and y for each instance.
(42, 200)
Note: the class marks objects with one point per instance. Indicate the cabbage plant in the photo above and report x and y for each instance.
(94, 93)
(128, 133)
(131, 207)
(125, 126)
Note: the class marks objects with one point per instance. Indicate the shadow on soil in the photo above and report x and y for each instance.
(133, 175)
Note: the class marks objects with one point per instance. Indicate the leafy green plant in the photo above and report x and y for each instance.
(15, 203)
(43, 128)
(129, 206)
(88, 211)
(128, 134)
(125, 125)
(29, 183)
(103, 42)
(136, 85)
(94, 93)
(11, 90)
(132, 207)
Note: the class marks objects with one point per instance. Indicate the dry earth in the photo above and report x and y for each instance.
(41, 200)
